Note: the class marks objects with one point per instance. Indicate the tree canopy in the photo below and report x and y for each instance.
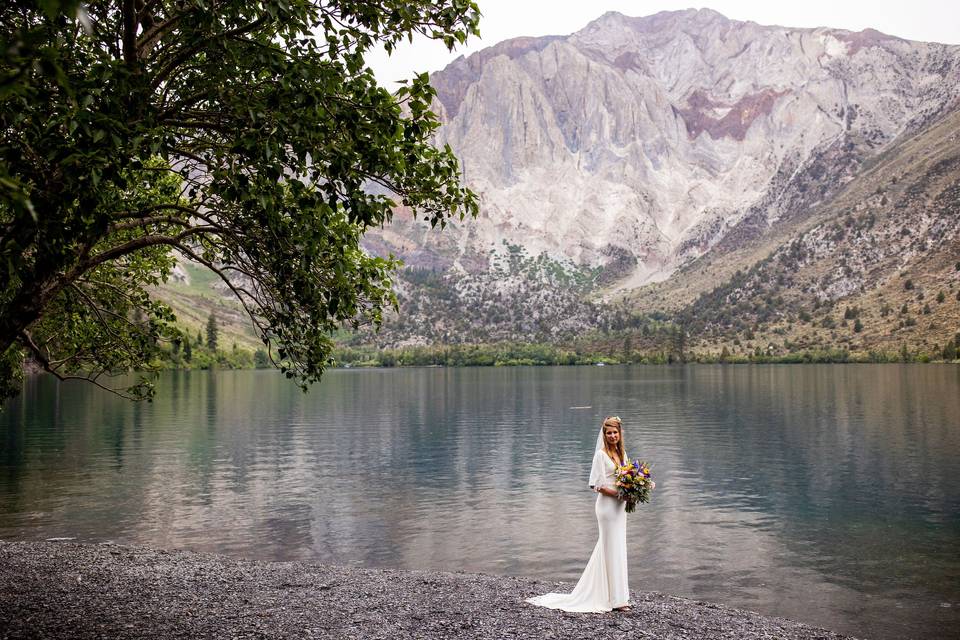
(247, 136)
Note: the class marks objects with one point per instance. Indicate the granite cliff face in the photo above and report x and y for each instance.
(640, 144)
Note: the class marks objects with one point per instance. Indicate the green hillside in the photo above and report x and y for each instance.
(197, 294)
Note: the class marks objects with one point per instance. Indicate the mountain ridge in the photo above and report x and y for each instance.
(762, 155)
(647, 177)
(658, 153)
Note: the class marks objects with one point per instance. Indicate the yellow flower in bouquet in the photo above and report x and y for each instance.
(635, 482)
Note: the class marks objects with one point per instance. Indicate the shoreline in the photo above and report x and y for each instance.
(32, 372)
(87, 590)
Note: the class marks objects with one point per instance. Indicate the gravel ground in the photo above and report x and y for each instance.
(69, 590)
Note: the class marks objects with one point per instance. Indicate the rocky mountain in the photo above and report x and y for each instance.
(877, 268)
(666, 155)
(756, 187)
(641, 143)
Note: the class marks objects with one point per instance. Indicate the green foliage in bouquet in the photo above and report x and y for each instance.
(634, 482)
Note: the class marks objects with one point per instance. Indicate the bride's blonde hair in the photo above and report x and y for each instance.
(614, 421)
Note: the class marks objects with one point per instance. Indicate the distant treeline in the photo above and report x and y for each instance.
(205, 358)
(204, 352)
(467, 356)
(520, 354)
(544, 355)
(656, 343)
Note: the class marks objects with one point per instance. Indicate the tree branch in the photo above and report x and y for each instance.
(147, 7)
(97, 310)
(197, 124)
(134, 245)
(156, 31)
(241, 293)
(141, 213)
(130, 32)
(186, 101)
(27, 340)
(136, 223)
(189, 52)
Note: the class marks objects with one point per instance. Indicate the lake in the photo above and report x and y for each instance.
(829, 494)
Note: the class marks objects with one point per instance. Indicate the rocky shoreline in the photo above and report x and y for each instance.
(71, 590)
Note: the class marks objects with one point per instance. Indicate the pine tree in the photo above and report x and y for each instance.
(187, 351)
(212, 332)
(680, 342)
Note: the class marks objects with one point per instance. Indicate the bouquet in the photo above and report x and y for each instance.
(634, 483)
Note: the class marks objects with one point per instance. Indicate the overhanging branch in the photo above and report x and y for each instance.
(135, 245)
(27, 340)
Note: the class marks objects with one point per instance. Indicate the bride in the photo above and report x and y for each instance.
(603, 585)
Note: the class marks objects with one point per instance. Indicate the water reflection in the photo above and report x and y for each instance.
(828, 494)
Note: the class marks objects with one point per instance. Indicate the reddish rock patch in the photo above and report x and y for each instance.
(737, 120)
(857, 40)
(700, 99)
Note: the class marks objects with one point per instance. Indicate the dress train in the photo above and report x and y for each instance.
(603, 586)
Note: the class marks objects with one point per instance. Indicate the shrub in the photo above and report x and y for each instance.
(949, 351)
(904, 353)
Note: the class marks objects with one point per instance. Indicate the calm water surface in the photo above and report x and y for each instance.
(827, 494)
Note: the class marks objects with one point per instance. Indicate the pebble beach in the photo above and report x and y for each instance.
(82, 590)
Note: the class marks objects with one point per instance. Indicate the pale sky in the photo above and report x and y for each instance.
(925, 20)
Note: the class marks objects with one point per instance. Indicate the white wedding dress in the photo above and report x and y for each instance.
(603, 585)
